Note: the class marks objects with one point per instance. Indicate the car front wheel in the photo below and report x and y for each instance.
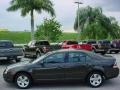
(95, 79)
(23, 81)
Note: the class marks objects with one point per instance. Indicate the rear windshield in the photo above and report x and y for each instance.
(96, 56)
(91, 42)
(42, 43)
(72, 42)
(6, 44)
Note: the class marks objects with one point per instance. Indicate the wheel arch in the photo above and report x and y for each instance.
(98, 71)
(22, 72)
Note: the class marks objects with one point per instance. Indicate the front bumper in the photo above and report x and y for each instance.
(7, 77)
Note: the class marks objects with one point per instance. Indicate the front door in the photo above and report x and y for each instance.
(52, 69)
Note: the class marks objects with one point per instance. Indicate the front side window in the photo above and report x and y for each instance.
(55, 58)
(77, 57)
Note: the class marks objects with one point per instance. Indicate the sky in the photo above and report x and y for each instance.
(65, 14)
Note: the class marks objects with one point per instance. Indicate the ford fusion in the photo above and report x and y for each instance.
(63, 65)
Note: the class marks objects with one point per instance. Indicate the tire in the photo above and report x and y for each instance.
(23, 80)
(95, 79)
(116, 52)
(103, 53)
(17, 60)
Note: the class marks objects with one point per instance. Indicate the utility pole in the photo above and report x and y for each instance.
(78, 3)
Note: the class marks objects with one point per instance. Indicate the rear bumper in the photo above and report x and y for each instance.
(112, 73)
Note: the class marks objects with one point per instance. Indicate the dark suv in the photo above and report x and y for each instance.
(116, 44)
(108, 46)
(96, 47)
(63, 65)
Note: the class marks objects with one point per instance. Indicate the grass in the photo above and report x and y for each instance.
(24, 37)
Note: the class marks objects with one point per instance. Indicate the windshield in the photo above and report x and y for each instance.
(40, 58)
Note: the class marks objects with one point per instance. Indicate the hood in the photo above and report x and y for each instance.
(21, 64)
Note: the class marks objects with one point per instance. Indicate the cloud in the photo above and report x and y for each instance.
(65, 12)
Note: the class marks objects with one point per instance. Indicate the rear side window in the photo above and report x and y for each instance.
(76, 57)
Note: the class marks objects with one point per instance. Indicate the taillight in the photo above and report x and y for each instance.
(115, 65)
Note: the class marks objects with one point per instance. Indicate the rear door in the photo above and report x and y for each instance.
(76, 67)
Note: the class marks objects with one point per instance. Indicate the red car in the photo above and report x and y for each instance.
(74, 45)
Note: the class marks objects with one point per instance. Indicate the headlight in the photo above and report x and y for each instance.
(6, 71)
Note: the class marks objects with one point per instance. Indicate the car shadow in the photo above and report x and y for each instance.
(71, 85)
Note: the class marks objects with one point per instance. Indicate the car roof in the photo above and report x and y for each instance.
(5, 41)
(69, 50)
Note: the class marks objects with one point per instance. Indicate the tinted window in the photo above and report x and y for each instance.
(89, 59)
(6, 44)
(72, 42)
(77, 57)
(43, 43)
(91, 42)
(55, 58)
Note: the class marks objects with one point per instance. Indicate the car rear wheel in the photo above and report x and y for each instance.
(95, 79)
(23, 81)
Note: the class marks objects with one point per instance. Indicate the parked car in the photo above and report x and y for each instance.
(97, 48)
(37, 48)
(108, 46)
(9, 52)
(63, 65)
(116, 44)
(69, 44)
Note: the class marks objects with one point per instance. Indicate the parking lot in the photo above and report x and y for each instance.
(113, 84)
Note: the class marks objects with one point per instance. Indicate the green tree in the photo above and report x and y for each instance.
(29, 6)
(49, 30)
(95, 25)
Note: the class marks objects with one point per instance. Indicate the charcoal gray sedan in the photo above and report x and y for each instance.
(63, 65)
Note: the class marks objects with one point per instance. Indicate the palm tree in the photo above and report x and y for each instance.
(87, 15)
(29, 6)
(94, 24)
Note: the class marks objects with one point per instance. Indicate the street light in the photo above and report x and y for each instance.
(78, 3)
